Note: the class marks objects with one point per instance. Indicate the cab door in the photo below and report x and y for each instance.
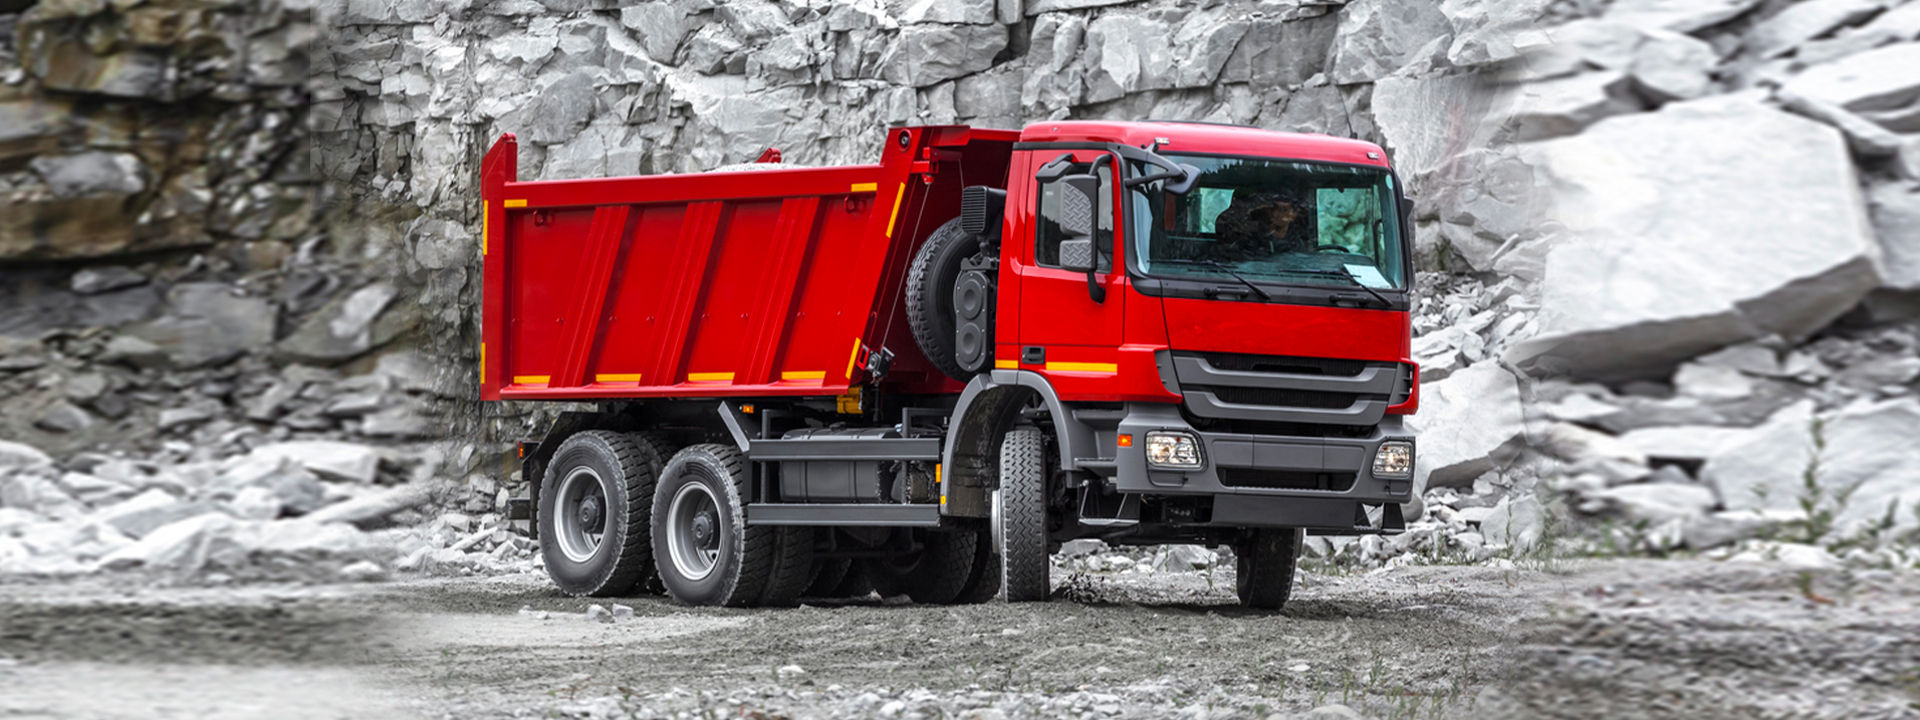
(1064, 332)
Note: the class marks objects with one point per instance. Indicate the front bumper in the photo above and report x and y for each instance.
(1266, 480)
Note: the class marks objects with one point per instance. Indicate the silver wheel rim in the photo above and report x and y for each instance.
(693, 531)
(998, 532)
(582, 515)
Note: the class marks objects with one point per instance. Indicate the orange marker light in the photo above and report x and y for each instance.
(1126, 440)
(747, 408)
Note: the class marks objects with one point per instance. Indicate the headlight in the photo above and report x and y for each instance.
(1394, 460)
(1173, 450)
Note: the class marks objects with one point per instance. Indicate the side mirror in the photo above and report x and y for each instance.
(1406, 210)
(1079, 199)
(1077, 254)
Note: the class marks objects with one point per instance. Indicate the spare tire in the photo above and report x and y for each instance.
(930, 282)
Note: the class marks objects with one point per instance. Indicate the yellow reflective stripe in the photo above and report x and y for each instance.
(1086, 367)
(531, 379)
(514, 203)
(851, 354)
(710, 377)
(804, 375)
(865, 187)
(1006, 364)
(483, 363)
(485, 210)
(897, 197)
(617, 377)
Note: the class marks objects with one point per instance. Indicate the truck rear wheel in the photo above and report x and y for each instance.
(936, 574)
(704, 549)
(655, 449)
(827, 575)
(1263, 573)
(594, 523)
(1020, 515)
(930, 281)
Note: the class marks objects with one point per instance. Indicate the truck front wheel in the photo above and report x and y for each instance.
(593, 514)
(1264, 567)
(1020, 515)
(704, 549)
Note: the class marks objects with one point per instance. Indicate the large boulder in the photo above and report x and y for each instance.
(1681, 236)
(1468, 424)
(1870, 466)
(210, 323)
(328, 459)
(1881, 85)
(1765, 468)
(1896, 222)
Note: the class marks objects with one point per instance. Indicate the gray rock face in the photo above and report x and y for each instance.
(92, 173)
(931, 54)
(1378, 37)
(1468, 424)
(1660, 262)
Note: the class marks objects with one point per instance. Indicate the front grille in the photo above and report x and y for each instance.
(1286, 479)
(1288, 398)
(1272, 388)
(1283, 364)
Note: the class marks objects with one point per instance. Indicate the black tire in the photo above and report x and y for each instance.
(983, 581)
(1263, 573)
(623, 556)
(792, 569)
(828, 573)
(934, 575)
(660, 449)
(1021, 513)
(930, 282)
(743, 555)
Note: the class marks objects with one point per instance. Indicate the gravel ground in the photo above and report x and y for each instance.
(1623, 638)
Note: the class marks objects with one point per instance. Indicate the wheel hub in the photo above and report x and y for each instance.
(703, 529)
(593, 514)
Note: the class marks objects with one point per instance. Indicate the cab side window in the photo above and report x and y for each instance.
(1046, 251)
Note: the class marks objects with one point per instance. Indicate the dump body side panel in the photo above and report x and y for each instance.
(761, 283)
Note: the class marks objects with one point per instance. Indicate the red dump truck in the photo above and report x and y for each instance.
(923, 375)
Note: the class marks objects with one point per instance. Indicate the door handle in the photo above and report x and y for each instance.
(1033, 355)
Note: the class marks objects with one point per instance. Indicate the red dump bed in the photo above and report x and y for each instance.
(766, 282)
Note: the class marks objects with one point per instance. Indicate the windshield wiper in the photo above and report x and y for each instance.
(1225, 268)
(1346, 274)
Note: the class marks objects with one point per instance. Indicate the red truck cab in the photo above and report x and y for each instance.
(922, 375)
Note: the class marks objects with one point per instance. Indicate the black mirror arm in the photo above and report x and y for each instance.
(1095, 290)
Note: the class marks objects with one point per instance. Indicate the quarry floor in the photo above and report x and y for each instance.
(1572, 639)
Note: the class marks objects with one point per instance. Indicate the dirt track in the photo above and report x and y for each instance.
(1683, 639)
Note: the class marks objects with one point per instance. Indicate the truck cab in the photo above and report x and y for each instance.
(1142, 332)
(1217, 320)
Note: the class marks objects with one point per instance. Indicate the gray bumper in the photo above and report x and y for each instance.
(1246, 455)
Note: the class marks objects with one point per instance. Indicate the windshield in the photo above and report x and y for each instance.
(1273, 221)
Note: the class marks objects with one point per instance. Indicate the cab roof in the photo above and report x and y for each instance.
(1210, 138)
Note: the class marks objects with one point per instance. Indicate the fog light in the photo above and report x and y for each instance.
(1176, 450)
(1394, 460)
